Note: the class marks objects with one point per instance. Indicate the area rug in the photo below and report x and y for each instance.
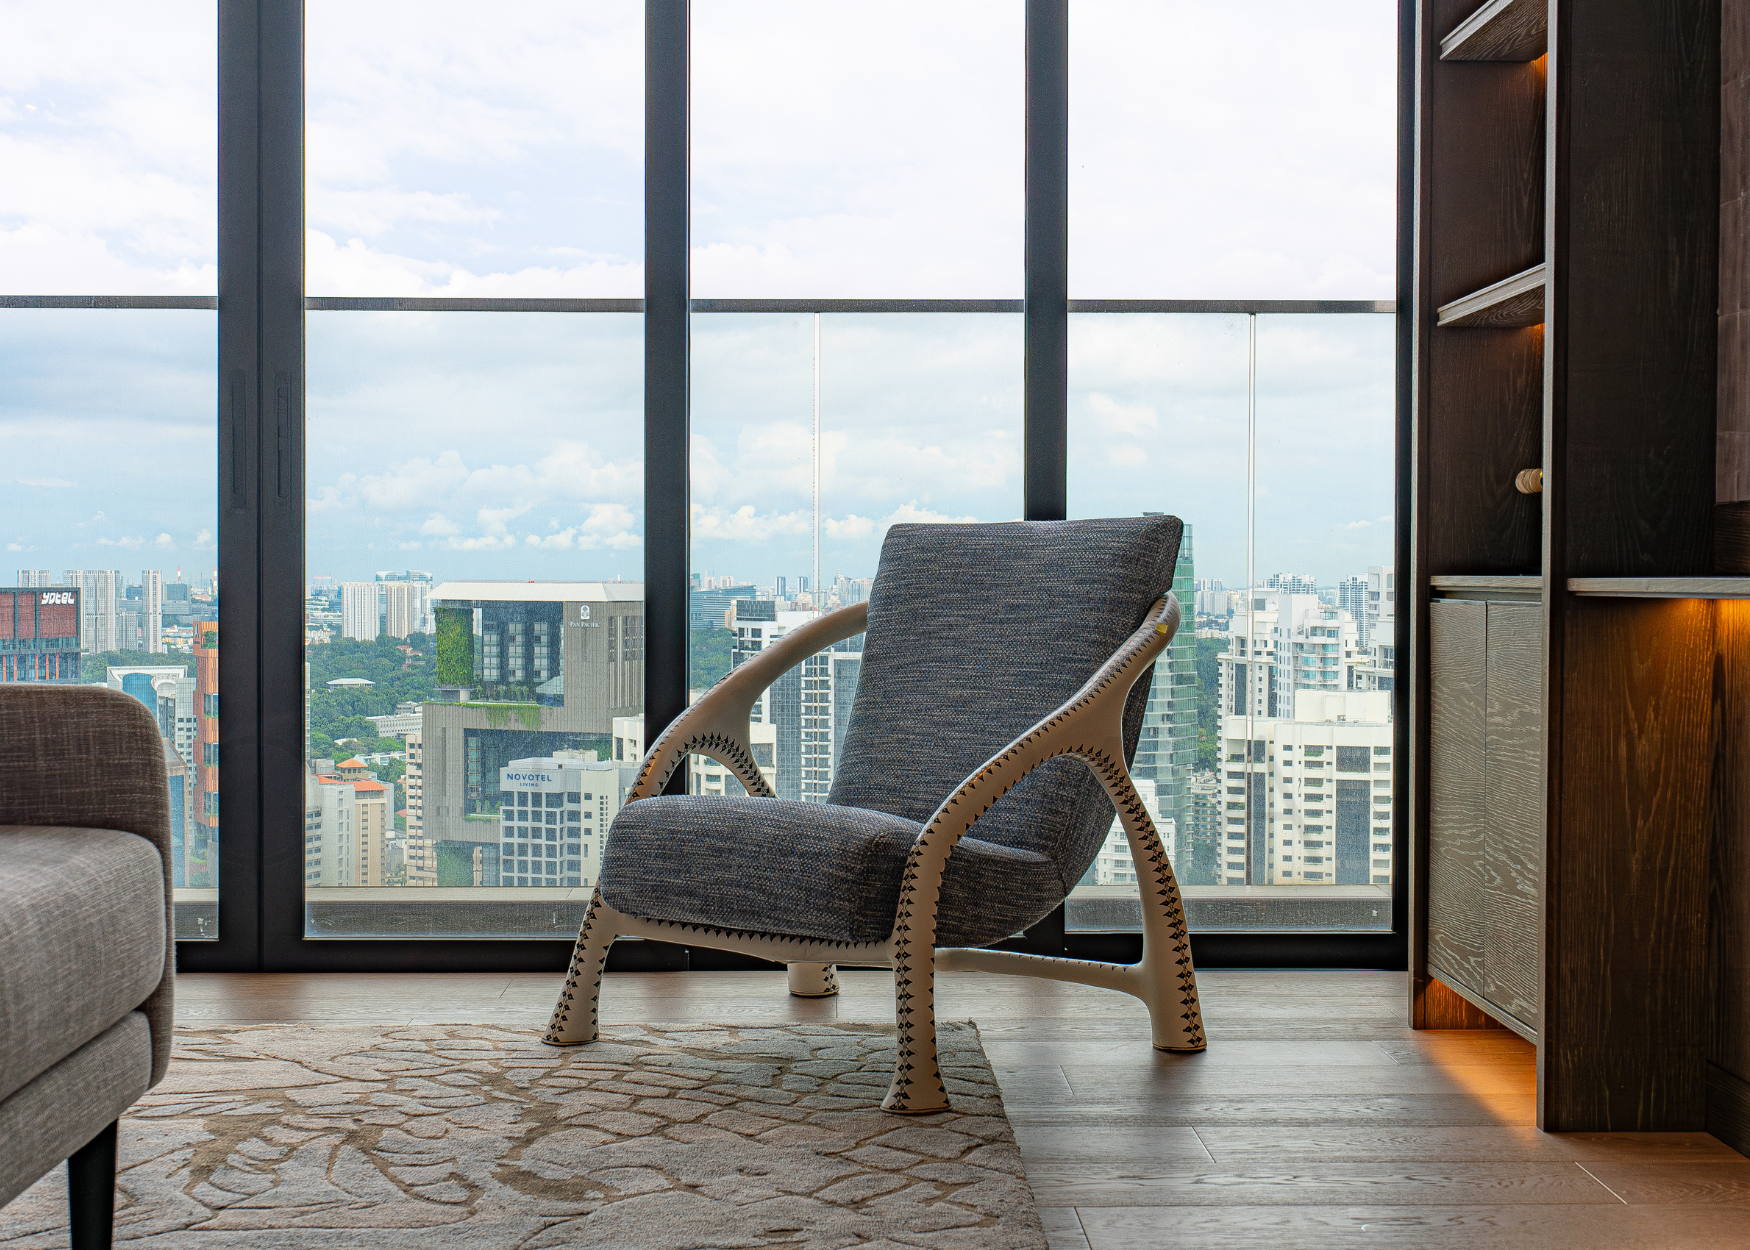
(671, 1137)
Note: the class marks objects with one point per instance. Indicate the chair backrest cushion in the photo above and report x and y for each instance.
(975, 633)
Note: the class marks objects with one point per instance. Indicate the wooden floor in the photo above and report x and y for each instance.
(1315, 1118)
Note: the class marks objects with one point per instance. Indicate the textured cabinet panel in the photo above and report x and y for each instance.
(1457, 814)
(1513, 788)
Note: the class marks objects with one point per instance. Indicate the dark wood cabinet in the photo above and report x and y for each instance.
(1563, 662)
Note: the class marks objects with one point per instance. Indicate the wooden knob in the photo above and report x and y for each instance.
(1529, 482)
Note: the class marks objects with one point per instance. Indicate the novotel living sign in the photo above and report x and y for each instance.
(530, 778)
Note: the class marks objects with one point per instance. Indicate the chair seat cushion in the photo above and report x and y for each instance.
(81, 940)
(813, 870)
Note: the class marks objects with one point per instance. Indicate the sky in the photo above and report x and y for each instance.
(1217, 151)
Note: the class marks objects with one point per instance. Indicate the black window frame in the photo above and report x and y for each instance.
(261, 307)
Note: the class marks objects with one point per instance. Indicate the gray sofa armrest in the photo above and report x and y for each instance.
(92, 758)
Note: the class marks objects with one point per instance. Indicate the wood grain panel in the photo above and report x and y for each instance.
(1483, 218)
(1635, 298)
(1625, 989)
(1457, 812)
(1513, 758)
(1729, 1045)
(1444, 1009)
(1482, 423)
(1510, 304)
(1501, 30)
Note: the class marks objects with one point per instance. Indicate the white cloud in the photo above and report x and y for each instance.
(59, 482)
(130, 542)
(203, 541)
(164, 541)
(439, 526)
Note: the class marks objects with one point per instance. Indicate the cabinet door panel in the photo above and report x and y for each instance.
(1457, 645)
(1513, 765)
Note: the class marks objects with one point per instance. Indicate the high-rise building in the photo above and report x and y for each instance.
(554, 816)
(1199, 839)
(1281, 644)
(413, 782)
(1167, 751)
(405, 609)
(1309, 797)
(40, 635)
(203, 843)
(358, 611)
(34, 577)
(1352, 598)
(152, 610)
(809, 706)
(101, 595)
(181, 781)
(1294, 583)
(525, 670)
(169, 694)
(347, 822)
(1380, 629)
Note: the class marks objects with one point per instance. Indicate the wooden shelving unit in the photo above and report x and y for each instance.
(1559, 881)
(1510, 304)
(1502, 30)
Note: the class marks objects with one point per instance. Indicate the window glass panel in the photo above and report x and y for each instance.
(1248, 715)
(108, 516)
(109, 139)
(474, 619)
(857, 150)
(461, 150)
(1232, 151)
(919, 419)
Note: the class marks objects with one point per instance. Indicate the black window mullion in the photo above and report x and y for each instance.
(667, 199)
(1046, 292)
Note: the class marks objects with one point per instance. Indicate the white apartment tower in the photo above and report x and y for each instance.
(1281, 644)
(346, 826)
(101, 593)
(358, 611)
(152, 609)
(1308, 799)
(405, 607)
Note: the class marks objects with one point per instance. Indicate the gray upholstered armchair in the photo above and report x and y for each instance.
(991, 653)
(86, 950)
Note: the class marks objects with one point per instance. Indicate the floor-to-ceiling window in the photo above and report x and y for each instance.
(107, 396)
(472, 493)
(474, 489)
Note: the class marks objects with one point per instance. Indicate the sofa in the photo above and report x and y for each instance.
(87, 952)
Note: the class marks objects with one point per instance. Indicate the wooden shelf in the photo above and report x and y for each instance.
(1502, 30)
(1661, 587)
(1510, 304)
(1486, 581)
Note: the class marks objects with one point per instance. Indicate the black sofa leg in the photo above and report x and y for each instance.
(91, 1191)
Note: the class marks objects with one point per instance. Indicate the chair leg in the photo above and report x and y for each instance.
(917, 1087)
(813, 980)
(91, 1191)
(575, 1015)
(1168, 982)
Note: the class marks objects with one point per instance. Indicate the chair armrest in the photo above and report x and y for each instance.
(87, 757)
(717, 724)
(1089, 727)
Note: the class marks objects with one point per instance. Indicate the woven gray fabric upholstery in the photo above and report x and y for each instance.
(808, 870)
(82, 928)
(976, 632)
(68, 1105)
(49, 734)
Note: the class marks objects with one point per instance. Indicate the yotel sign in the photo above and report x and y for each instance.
(60, 597)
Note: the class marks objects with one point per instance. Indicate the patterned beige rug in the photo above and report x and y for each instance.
(676, 1137)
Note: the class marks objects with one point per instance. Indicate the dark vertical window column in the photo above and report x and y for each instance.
(1047, 261)
(667, 199)
(261, 378)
